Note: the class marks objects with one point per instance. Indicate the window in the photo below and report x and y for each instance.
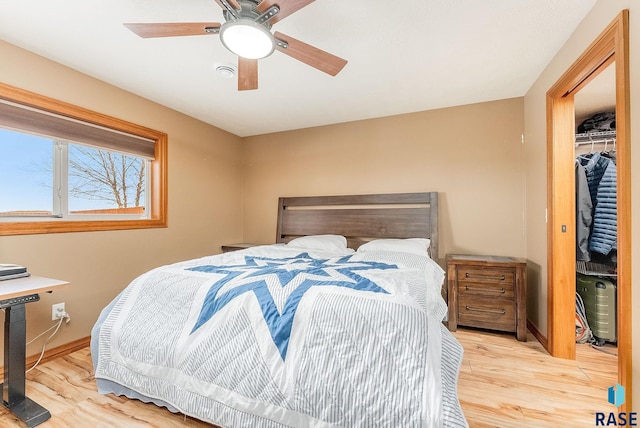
(66, 169)
(44, 178)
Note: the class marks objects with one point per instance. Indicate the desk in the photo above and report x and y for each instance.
(14, 295)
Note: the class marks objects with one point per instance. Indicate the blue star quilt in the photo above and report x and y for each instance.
(278, 336)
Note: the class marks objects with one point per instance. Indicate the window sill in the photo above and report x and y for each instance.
(32, 228)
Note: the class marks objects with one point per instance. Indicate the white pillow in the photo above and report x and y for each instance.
(419, 246)
(320, 242)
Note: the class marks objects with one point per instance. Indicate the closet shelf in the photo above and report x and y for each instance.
(596, 269)
(595, 137)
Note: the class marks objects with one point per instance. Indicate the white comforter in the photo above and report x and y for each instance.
(279, 336)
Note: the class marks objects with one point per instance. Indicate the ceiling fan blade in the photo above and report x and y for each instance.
(247, 74)
(287, 7)
(316, 58)
(172, 29)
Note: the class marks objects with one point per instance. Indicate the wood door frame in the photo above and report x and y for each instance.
(611, 46)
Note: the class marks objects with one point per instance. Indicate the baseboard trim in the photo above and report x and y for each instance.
(538, 335)
(57, 352)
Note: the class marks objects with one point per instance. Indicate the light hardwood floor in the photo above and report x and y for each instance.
(506, 383)
(503, 383)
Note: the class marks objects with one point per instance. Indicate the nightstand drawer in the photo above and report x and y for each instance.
(487, 289)
(487, 312)
(486, 275)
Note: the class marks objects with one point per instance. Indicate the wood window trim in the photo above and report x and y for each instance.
(158, 170)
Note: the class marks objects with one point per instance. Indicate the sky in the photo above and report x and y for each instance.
(24, 184)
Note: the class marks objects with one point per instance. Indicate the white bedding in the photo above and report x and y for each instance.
(277, 336)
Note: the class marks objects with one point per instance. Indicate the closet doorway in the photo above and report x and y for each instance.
(610, 49)
(596, 219)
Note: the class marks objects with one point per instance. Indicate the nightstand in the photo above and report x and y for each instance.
(487, 292)
(235, 247)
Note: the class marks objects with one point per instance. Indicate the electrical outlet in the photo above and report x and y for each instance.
(57, 311)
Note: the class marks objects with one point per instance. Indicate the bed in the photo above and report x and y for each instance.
(339, 323)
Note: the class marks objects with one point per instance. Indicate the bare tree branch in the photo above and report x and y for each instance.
(102, 175)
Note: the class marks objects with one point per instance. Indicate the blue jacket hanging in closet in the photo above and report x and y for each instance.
(601, 178)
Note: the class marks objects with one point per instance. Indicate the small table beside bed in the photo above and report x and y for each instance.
(339, 323)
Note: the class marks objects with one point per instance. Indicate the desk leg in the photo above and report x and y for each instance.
(13, 388)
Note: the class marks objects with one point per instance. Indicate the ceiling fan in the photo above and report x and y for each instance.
(247, 34)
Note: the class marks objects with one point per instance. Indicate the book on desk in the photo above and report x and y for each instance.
(11, 271)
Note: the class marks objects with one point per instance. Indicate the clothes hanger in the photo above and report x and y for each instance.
(588, 156)
(605, 152)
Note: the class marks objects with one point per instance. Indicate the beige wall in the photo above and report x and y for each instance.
(471, 154)
(535, 124)
(204, 202)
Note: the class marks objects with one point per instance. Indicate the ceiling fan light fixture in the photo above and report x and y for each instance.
(247, 39)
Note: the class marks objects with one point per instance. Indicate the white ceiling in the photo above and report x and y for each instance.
(404, 56)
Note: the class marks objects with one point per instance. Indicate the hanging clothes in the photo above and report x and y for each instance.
(604, 236)
(584, 217)
(594, 165)
(596, 206)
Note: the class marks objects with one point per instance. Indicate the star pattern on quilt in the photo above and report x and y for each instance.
(279, 285)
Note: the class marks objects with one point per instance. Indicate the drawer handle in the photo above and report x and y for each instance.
(491, 311)
(501, 277)
(485, 290)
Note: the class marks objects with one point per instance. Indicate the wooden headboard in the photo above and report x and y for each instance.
(361, 218)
